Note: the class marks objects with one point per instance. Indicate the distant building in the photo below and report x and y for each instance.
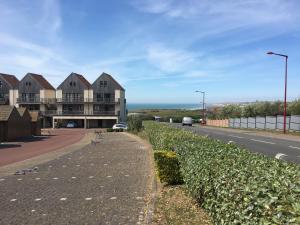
(37, 94)
(9, 85)
(75, 100)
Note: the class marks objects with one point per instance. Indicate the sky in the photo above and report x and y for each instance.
(160, 51)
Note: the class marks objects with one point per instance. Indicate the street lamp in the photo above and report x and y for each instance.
(285, 87)
(203, 105)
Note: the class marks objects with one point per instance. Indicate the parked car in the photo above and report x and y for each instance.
(119, 126)
(71, 124)
(187, 121)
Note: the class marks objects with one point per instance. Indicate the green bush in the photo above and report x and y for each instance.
(135, 123)
(110, 130)
(234, 185)
(167, 167)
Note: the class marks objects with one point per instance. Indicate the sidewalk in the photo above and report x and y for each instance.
(109, 181)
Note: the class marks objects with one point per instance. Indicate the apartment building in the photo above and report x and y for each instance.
(9, 86)
(99, 105)
(37, 94)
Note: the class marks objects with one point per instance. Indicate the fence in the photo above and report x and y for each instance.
(268, 122)
(218, 123)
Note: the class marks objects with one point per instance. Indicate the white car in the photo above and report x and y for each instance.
(119, 126)
(187, 121)
(71, 124)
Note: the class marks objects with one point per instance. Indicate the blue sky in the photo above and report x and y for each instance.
(160, 51)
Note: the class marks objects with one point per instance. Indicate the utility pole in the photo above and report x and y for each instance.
(203, 106)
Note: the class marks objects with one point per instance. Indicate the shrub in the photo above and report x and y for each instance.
(234, 185)
(167, 166)
(135, 123)
(110, 130)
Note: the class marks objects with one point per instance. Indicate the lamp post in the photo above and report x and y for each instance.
(203, 105)
(285, 87)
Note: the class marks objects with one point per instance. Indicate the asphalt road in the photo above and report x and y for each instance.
(102, 183)
(270, 146)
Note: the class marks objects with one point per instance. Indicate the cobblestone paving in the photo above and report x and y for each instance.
(102, 183)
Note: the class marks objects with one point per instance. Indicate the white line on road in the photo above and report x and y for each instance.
(294, 147)
(266, 142)
(236, 136)
(280, 155)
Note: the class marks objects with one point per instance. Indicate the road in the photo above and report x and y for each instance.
(102, 183)
(288, 150)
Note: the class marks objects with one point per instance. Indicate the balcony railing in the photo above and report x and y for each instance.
(70, 112)
(70, 100)
(106, 100)
(36, 100)
(106, 113)
(4, 100)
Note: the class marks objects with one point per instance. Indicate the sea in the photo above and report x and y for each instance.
(139, 106)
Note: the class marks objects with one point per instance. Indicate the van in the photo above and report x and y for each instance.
(187, 121)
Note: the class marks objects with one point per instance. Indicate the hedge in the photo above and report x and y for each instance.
(167, 167)
(234, 185)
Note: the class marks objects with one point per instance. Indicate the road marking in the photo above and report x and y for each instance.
(113, 198)
(20, 179)
(37, 178)
(266, 142)
(55, 178)
(280, 155)
(73, 177)
(37, 199)
(13, 200)
(33, 210)
(294, 147)
(64, 166)
(2, 179)
(91, 177)
(63, 199)
(109, 176)
(88, 199)
(127, 175)
(236, 136)
(77, 165)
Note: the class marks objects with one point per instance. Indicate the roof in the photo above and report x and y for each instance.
(83, 80)
(34, 116)
(80, 78)
(23, 111)
(117, 83)
(11, 80)
(42, 81)
(5, 112)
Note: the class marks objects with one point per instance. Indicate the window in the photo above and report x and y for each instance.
(28, 84)
(0, 84)
(105, 83)
(72, 84)
(101, 83)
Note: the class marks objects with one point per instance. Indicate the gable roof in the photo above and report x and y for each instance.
(80, 78)
(42, 81)
(119, 86)
(23, 112)
(10, 79)
(5, 112)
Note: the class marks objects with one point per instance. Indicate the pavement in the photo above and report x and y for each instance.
(285, 147)
(25, 148)
(109, 181)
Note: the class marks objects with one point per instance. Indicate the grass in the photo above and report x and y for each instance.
(175, 207)
(170, 112)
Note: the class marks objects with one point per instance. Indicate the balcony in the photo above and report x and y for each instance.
(4, 100)
(36, 100)
(29, 100)
(104, 113)
(106, 101)
(70, 112)
(79, 100)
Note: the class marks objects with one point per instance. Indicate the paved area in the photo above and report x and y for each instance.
(287, 148)
(105, 182)
(30, 147)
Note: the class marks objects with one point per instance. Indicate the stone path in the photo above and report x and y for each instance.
(107, 182)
